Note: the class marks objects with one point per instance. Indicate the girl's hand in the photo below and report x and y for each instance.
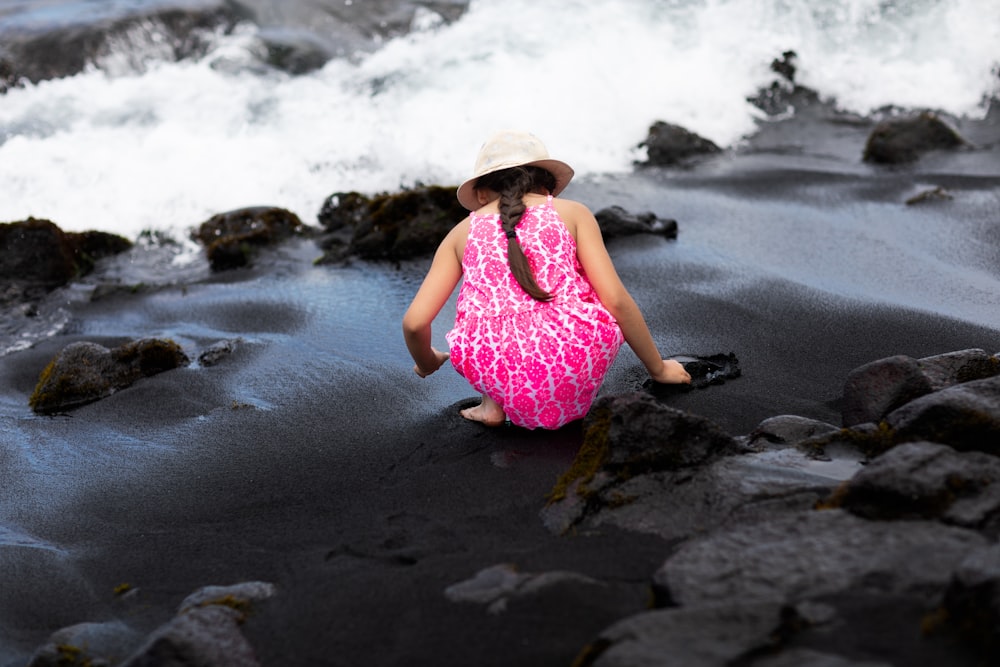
(439, 358)
(672, 372)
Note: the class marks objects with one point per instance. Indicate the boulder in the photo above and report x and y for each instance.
(707, 636)
(232, 239)
(394, 227)
(86, 372)
(905, 139)
(877, 388)
(86, 644)
(787, 430)
(922, 480)
(965, 416)
(670, 145)
(814, 554)
(971, 605)
(38, 256)
(208, 636)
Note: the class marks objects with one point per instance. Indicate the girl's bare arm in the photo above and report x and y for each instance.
(611, 291)
(439, 283)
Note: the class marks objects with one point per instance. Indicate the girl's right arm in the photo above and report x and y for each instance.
(439, 283)
(600, 270)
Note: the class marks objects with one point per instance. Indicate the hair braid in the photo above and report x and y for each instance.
(513, 184)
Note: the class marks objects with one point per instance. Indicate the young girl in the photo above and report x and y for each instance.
(542, 312)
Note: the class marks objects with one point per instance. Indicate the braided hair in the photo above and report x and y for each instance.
(513, 184)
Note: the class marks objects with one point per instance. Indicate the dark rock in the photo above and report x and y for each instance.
(495, 586)
(672, 145)
(86, 372)
(409, 224)
(627, 436)
(904, 139)
(921, 480)
(216, 352)
(784, 95)
(705, 371)
(616, 221)
(295, 52)
(808, 555)
(38, 256)
(706, 636)
(86, 644)
(971, 606)
(231, 239)
(787, 430)
(173, 29)
(931, 195)
(207, 636)
(874, 390)
(965, 416)
(206, 630)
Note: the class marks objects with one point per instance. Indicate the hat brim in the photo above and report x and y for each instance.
(562, 172)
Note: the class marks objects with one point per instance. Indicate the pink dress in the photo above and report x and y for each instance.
(543, 362)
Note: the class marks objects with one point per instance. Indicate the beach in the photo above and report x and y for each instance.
(309, 457)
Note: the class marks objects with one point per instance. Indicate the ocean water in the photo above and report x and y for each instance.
(138, 143)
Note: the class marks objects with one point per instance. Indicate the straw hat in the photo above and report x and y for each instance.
(512, 148)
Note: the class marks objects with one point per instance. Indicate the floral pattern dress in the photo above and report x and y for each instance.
(543, 362)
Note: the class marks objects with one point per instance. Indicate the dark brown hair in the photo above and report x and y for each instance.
(513, 184)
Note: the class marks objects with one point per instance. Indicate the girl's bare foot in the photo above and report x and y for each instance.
(488, 413)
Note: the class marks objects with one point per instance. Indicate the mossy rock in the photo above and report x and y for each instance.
(232, 239)
(635, 434)
(38, 256)
(86, 372)
(403, 225)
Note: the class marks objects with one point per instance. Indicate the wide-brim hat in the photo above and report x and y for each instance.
(512, 148)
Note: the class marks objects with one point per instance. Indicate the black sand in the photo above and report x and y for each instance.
(313, 458)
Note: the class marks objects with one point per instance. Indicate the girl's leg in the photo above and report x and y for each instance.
(488, 412)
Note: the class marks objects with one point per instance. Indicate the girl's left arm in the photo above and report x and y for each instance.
(438, 285)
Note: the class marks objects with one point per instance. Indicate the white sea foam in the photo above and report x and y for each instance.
(168, 146)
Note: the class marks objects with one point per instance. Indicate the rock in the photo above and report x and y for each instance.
(784, 95)
(874, 390)
(231, 239)
(932, 195)
(624, 437)
(399, 226)
(787, 430)
(216, 352)
(676, 505)
(92, 644)
(965, 416)
(86, 372)
(904, 139)
(38, 256)
(206, 636)
(705, 371)
(809, 555)
(616, 221)
(239, 597)
(949, 369)
(173, 30)
(495, 586)
(971, 604)
(706, 636)
(671, 145)
(922, 480)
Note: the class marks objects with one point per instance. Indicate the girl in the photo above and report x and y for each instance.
(542, 312)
